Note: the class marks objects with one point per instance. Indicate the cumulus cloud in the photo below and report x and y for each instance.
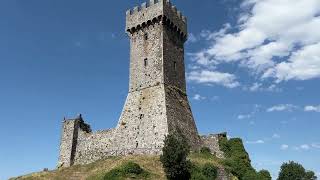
(255, 142)
(284, 147)
(213, 77)
(312, 108)
(273, 39)
(282, 107)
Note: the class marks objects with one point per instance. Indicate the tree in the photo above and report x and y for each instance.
(264, 175)
(292, 171)
(174, 157)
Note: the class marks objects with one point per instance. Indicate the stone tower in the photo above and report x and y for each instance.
(157, 102)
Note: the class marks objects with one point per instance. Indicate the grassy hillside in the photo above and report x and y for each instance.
(97, 170)
(237, 163)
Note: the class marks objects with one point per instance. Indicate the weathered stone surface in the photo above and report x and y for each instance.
(212, 142)
(157, 103)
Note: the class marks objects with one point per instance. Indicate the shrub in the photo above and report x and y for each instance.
(205, 150)
(196, 173)
(209, 171)
(264, 175)
(250, 175)
(174, 157)
(237, 159)
(130, 169)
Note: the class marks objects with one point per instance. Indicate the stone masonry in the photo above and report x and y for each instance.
(157, 103)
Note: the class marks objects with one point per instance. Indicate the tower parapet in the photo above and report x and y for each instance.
(156, 11)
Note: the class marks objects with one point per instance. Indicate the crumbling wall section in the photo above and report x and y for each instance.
(212, 142)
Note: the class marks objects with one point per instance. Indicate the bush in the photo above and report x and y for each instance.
(237, 159)
(174, 157)
(264, 175)
(293, 171)
(250, 175)
(196, 173)
(205, 150)
(209, 171)
(206, 172)
(130, 169)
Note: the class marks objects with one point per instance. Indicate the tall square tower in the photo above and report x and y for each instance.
(157, 102)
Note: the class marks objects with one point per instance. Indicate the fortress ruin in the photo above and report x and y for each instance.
(157, 103)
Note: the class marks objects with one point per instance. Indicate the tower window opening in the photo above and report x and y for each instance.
(145, 36)
(145, 62)
(175, 66)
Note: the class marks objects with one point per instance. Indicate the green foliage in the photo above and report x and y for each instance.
(205, 150)
(196, 173)
(174, 157)
(209, 171)
(132, 168)
(250, 175)
(237, 159)
(310, 175)
(206, 172)
(128, 170)
(293, 171)
(264, 175)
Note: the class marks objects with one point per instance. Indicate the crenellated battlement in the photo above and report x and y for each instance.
(156, 11)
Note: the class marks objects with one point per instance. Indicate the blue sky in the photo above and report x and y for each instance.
(253, 69)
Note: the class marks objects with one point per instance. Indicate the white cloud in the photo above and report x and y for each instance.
(255, 142)
(282, 107)
(244, 116)
(275, 136)
(255, 87)
(305, 147)
(192, 38)
(312, 108)
(213, 77)
(198, 97)
(284, 147)
(315, 145)
(272, 39)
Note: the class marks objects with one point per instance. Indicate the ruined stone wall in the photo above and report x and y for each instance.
(157, 103)
(67, 143)
(212, 142)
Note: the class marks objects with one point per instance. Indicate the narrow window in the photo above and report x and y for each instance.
(145, 62)
(175, 66)
(145, 36)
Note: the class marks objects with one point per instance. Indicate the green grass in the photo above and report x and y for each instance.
(115, 166)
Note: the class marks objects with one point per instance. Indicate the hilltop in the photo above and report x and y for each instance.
(97, 170)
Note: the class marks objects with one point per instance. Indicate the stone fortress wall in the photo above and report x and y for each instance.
(157, 103)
